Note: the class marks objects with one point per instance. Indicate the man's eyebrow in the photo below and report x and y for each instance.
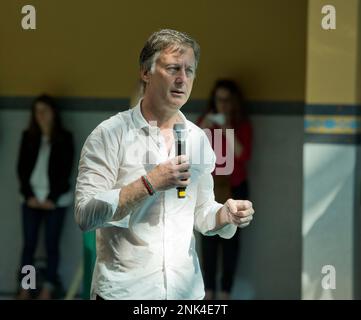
(178, 65)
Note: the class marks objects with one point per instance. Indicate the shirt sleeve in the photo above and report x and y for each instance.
(206, 206)
(96, 198)
(206, 210)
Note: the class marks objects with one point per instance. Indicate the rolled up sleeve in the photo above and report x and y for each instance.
(96, 197)
(206, 207)
(206, 210)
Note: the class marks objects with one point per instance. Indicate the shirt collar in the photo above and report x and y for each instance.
(141, 123)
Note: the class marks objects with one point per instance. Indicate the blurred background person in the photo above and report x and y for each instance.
(44, 167)
(226, 110)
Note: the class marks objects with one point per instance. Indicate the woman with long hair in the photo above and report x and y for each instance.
(226, 110)
(44, 167)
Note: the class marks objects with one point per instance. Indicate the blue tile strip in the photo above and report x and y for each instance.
(287, 108)
(334, 124)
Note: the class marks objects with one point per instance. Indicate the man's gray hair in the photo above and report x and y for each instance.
(164, 39)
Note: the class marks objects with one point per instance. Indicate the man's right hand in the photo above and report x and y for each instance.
(33, 203)
(170, 174)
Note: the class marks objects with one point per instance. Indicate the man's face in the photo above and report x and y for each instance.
(170, 83)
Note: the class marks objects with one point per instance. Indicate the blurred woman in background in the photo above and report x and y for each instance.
(226, 110)
(44, 167)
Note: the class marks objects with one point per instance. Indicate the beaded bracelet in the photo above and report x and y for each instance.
(148, 185)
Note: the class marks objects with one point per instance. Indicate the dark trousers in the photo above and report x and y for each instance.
(32, 219)
(229, 248)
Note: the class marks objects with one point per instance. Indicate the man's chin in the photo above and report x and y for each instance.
(178, 103)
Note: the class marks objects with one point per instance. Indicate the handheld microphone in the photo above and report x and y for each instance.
(180, 149)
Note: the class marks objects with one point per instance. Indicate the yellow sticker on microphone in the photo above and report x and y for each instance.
(181, 194)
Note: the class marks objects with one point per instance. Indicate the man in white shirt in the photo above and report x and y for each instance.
(126, 186)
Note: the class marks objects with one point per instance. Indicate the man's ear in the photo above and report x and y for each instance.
(145, 75)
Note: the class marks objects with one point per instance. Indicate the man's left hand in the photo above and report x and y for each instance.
(239, 212)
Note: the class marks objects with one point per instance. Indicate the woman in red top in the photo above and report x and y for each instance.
(226, 110)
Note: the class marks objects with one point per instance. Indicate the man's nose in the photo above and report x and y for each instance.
(181, 76)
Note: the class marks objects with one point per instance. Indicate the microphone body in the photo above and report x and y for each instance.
(180, 148)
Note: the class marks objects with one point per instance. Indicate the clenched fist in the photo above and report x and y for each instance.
(238, 212)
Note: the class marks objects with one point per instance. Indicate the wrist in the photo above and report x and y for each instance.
(225, 217)
(153, 181)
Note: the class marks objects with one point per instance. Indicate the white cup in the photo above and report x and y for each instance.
(217, 118)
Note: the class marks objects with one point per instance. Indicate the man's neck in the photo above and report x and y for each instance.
(162, 118)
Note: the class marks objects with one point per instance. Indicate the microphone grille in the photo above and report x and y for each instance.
(179, 131)
(178, 127)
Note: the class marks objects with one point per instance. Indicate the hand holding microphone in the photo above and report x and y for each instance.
(170, 174)
(174, 172)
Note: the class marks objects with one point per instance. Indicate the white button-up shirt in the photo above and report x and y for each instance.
(150, 253)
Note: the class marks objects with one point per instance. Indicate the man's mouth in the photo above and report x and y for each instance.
(177, 92)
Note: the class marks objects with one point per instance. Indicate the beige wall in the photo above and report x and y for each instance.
(332, 55)
(90, 48)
